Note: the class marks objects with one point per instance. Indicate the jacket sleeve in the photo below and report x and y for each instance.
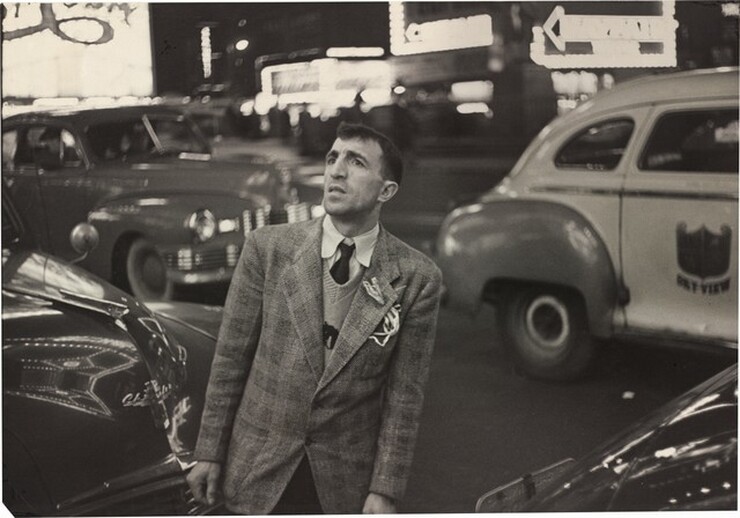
(404, 392)
(235, 350)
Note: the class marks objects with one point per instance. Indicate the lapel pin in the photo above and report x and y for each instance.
(373, 289)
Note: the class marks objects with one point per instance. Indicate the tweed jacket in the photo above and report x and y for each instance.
(270, 399)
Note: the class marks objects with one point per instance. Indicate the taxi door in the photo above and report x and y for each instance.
(679, 223)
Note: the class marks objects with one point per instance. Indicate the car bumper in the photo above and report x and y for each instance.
(203, 263)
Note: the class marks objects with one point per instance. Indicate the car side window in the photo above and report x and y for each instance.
(693, 141)
(598, 147)
(40, 142)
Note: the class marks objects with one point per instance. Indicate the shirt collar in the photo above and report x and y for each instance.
(364, 243)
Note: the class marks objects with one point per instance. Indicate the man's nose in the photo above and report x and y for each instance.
(338, 169)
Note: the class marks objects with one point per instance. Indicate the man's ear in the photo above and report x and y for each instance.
(389, 190)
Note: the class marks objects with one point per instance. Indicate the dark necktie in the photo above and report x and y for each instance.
(340, 270)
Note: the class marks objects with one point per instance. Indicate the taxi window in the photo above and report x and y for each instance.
(704, 141)
(597, 148)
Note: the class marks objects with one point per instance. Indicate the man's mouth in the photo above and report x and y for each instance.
(335, 188)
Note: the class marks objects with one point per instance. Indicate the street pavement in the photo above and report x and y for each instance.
(483, 425)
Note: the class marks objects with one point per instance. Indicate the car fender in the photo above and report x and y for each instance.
(483, 246)
(160, 217)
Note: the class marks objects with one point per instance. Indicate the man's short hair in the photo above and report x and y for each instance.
(392, 160)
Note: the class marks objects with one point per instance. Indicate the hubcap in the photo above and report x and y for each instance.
(547, 322)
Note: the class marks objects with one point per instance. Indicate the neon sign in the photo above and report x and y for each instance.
(206, 54)
(54, 50)
(612, 41)
(437, 35)
(87, 30)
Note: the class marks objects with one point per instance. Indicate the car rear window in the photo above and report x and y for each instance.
(702, 141)
(598, 147)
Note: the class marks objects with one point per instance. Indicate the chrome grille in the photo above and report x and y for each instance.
(268, 216)
(205, 259)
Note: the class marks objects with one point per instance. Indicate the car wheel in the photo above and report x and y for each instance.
(546, 332)
(146, 272)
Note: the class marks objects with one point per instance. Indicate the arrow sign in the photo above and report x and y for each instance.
(595, 28)
(549, 24)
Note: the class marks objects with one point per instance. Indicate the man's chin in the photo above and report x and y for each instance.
(335, 211)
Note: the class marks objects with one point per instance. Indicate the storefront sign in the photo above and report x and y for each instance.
(291, 78)
(409, 36)
(325, 79)
(605, 40)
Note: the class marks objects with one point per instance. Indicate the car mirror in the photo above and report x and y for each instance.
(512, 497)
(84, 238)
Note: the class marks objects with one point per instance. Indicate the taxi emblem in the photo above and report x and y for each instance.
(702, 252)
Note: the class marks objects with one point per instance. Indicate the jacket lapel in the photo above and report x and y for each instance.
(365, 313)
(302, 285)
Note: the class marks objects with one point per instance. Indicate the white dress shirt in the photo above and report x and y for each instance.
(364, 246)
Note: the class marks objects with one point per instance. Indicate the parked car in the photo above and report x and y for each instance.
(101, 397)
(167, 213)
(619, 220)
(681, 457)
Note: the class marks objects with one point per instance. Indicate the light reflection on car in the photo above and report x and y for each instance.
(101, 396)
(681, 457)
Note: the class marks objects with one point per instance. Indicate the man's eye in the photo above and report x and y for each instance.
(331, 160)
(358, 162)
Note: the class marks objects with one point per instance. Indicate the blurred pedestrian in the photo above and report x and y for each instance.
(317, 382)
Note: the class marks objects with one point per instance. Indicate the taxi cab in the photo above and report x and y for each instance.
(618, 220)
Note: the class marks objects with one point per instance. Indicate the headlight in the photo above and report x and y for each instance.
(203, 224)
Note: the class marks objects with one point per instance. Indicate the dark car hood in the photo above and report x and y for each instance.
(87, 367)
(261, 181)
(38, 276)
(682, 457)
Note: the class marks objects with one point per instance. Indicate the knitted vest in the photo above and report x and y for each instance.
(337, 300)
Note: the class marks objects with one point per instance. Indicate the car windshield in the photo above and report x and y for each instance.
(139, 139)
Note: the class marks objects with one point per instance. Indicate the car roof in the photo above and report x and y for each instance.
(665, 88)
(89, 115)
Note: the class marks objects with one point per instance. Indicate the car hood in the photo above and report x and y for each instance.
(682, 457)
(261, 181)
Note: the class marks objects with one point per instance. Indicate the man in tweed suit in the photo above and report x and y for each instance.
(317, 381)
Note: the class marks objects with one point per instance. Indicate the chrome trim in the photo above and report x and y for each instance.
(112, 309)
(677, 340)
(636, 193)
(204, 277)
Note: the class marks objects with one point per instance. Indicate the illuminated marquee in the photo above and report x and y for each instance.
(606, 41)
(322, 79)
(76, 50)
(437, 35)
